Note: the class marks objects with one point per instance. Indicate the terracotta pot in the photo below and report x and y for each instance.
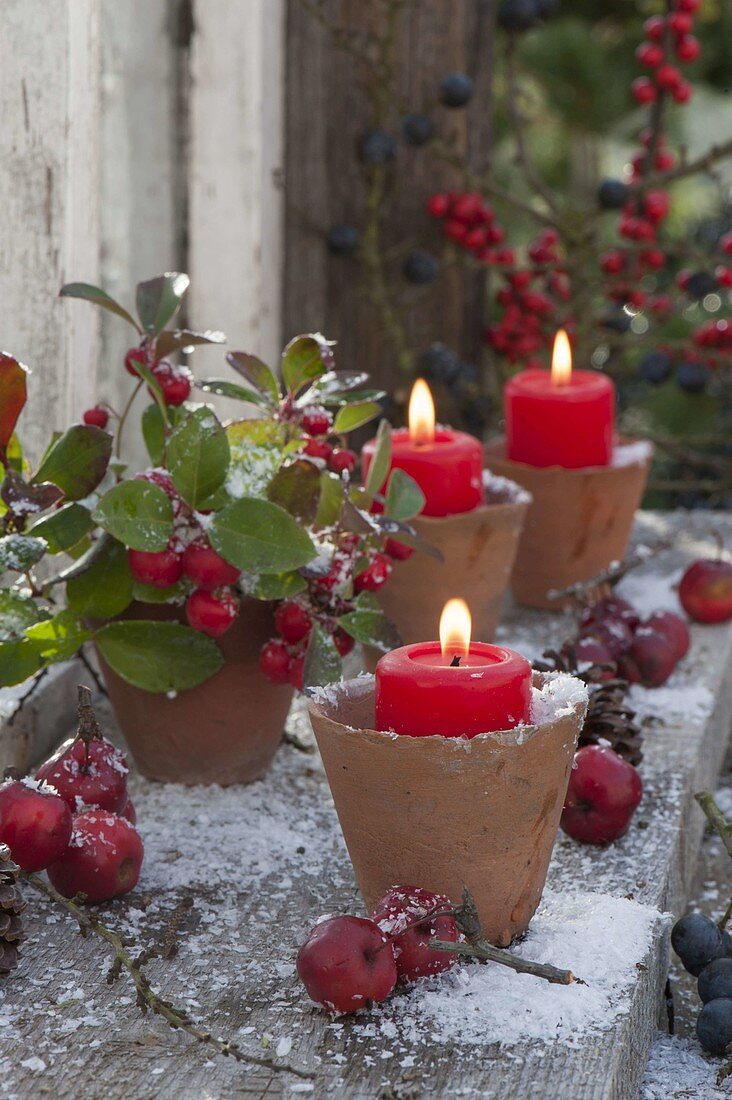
(224, 731)
(478, 547)
(444, 812)
(578, 523)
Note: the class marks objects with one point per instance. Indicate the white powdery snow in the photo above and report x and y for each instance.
(599, 938)
(678, 1070)
(501, 490)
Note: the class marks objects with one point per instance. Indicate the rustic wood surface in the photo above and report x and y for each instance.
(263, 862)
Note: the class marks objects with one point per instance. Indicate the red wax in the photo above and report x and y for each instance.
(418, 693)
(569, 425)
(449, 470)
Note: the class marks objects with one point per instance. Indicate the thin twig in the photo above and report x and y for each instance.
(581, 591)
(716, 818)
(172, 926)
(687, 168)
(147, 998)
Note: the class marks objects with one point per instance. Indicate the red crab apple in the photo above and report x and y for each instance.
(346, 962)
(603, 794)
(593, 651)
(128, 811)
(89, 775)
(705, 590)
(35, 823)
(103, 859)
(403, 915)
(649, 660)
(673, 628)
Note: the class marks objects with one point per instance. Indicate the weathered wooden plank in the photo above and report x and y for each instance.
(235, 234)
(49, 172)
(263, 861)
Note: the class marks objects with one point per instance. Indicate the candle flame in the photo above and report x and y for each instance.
(561, 359)
(421, 413)
(455, 626)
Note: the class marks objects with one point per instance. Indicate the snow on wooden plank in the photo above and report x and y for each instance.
(262, 862)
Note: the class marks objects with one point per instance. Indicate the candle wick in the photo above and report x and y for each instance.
(455, 662)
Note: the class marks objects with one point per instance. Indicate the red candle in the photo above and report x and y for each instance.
(454, 687)
(447, 465)
(560, 418)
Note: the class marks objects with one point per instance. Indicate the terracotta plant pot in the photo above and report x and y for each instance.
(443, 812)
(478, 547)
(579, 520)
(224, 731)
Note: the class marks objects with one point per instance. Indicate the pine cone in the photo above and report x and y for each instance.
(610, 719)
(11, 906)
(565, 660)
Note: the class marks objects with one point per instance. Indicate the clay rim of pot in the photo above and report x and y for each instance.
(639, 452)
(568, 697)
(499, 494)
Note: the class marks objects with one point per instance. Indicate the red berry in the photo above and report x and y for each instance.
(705, 591)
(664, 160)
(725, 243)
(691, 6)
(160, 569)
(649, 660)
(680, 22)
(175, 382)
(212, 613)
(654, 27)
(438, 205)
(399, 551)
(318, 448)
(206, 568)
(668, 76)
(374, 576)
(613, 262)
(103, 859)
(403, 916)
(603, 794)
(316, 420)
(343, 642)
(656, 205)
(292, 621)
(467, 207)
(649, 54)
(35, 823)
(128, 811)
(673, 628)
(644, 90)
(688, 48)
(144, 355)
(506, 257)
(723, 275)
(342, 461)
(296, 675)
(274, 662)
(654, 258)
(97, 418)
(87, 776)
(346, 962)
(682, 92)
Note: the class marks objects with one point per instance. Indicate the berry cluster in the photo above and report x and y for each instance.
(705, 951)
(469, 222)
(668, 43)
(317, 424)
(75, 819)
(212, 606)
(175, 382)
(348, 962)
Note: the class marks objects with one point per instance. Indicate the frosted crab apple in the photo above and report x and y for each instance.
(35, 823)
(103, 859)
(88, 773)
(345, 963)
(411, 918)
(603, 794)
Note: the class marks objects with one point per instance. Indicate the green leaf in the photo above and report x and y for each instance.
(256, 372)
(224, 388)
(183, 339)
(258, 448)
(340, 399)
(143, 372)
(158, 657)
(277, 586)
(158, 300)
(404, 498)
(19, 552)
(296, 488)
(14, 456)
(198, 456)
(64, 528)
(153, 432)
(322, 661)
(17, 613)
(147, 593)
(59, 638)
(77, 461)
(13, 395)
(260, 537)
(381, 460)
(334, 383)
(350, 417)
(137, 513)
(27, 499)
(332, 496)
(18, 661)
(305, 358)
(369, 625)
(104, 586)
(99, 297)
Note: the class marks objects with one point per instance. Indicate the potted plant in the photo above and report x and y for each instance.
(241, 565)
